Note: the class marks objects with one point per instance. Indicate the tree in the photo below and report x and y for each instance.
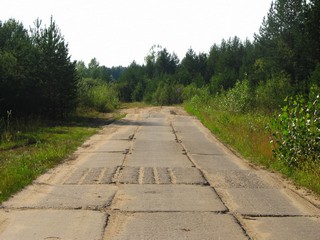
(131, 83)
(283, 38)
(166, 63)
(56, 71)
(225, 62)
(19, 87)
(193, 67)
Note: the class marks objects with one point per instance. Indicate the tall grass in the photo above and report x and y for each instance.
(233, 117)
(36, 146)
(245, 133)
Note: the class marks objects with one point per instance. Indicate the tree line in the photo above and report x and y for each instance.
(282, 60)
(37, 76)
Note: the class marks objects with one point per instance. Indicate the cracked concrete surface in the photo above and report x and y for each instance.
(158, 174)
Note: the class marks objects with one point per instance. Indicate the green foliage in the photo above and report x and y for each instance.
(297, 132)
(192, 90)
(95, 71)
(56, 71)
(138, 92)
(98, 95)
(244, 132)
(248, 135)
(315, 76)
(289, 39)
(270, 95)
(237, 100)
(36, 146)
(167, 94)
(103, 98)
(133, 77)
(36, 74)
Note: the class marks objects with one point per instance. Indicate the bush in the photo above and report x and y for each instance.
(296, 135)
(103, 98)
(237, 99)
(192, 90)
(98, 95)
(270, 95)
(168, 94)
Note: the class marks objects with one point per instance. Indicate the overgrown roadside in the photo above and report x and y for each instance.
(27, 150)
(246, 133)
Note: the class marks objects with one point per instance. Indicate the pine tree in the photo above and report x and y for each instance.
(56, 71)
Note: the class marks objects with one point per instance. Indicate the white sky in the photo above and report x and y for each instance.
(117, 32)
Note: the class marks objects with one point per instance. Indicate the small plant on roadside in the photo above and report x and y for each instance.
(296, 135)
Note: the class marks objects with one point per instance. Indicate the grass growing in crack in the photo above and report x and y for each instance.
(36, 146)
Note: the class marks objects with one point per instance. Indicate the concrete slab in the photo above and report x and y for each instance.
(216, 162)
(103, 159)
(158, 226)
(155, 123)
(187, 176)
(158, 159)
(278, 228)
(185, 123)
(157, 115)
(183, 119)
(202, 147)
(237, 179)
(113, 146)
(63, 197)
(156, 175)
(171, 147)
(147, 198)
(155, 136)
(185, 131)
(268, 202)
(129, 175)
(124, 134)
(52, 224)
(91, 176)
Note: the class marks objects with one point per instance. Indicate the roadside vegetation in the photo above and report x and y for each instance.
(28, 149)
(286, 141)
(260, 97)
(48, 105)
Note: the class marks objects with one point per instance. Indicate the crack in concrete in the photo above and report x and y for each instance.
(237, 219)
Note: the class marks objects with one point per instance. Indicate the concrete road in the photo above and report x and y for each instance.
(158, 174)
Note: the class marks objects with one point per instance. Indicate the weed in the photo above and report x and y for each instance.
(37, 147)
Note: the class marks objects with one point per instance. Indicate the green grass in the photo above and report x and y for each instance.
(247, 134)
(30, 149)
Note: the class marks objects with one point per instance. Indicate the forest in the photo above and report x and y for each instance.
(269, 86)
(38, 77)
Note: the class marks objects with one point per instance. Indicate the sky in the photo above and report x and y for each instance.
(118, 32)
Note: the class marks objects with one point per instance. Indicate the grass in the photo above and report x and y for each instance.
(248, 135)
(28, 150)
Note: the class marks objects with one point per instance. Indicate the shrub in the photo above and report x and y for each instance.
(168, 94)
(237, 99)
(270, 95)
(103, 98)
(98, 95)
(296, 135)
(192, 90)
